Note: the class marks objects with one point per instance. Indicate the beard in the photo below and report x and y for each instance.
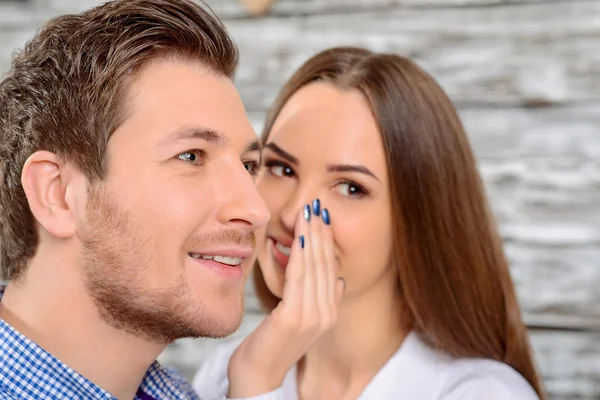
(116, 260)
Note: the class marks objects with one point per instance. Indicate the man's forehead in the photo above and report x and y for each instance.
(187, 133)
(181, 101)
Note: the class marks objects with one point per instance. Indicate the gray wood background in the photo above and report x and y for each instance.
(524, 75)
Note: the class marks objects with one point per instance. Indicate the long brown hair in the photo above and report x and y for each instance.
(454, 280)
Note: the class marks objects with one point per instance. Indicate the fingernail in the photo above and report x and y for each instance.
(307, 212)
(316, 207)
(302, 243)
(326, 216)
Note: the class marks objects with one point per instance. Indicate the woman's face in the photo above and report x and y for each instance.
(325, 144)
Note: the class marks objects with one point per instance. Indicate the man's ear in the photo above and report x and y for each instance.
(46, 179)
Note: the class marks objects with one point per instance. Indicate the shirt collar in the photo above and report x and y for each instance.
(29, 371)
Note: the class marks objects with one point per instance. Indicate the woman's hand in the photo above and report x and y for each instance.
(308, 308)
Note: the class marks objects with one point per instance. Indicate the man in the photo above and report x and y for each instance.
(127, 203)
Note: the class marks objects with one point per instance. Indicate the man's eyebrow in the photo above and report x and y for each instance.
(190, 133)
(282, 153)
(254, 145)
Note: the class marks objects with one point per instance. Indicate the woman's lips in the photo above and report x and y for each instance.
(281, 253)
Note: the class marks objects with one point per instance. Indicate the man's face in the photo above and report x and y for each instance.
(179, 191)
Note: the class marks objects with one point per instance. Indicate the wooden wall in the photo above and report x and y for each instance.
(525, 77)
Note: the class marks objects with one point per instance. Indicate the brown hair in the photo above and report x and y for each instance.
(64, 93)
(454, 280)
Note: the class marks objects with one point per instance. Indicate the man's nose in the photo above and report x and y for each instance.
(241, 204)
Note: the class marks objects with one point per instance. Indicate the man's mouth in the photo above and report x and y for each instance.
(228, 265)
(227, 260)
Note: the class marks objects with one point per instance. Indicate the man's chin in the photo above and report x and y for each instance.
(222, 319)
(222, 327)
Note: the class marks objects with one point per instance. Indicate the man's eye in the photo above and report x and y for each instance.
(251, 166)
(192, 156)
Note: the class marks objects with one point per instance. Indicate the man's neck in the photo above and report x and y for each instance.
(347, 358)
(50, 306)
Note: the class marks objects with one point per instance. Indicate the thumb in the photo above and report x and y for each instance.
(340, 288)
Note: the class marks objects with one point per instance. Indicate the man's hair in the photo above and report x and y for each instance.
(65, 92)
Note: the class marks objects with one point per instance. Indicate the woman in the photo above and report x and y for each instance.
(429, 309)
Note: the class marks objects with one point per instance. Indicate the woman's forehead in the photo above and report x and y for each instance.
(323, 124)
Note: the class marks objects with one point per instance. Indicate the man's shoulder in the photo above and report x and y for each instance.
(179, 382)
(165, 383)
(5, 394)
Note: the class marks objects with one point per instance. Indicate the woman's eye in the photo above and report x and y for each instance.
(350, 189)
(251, 167)
(282, 170)
(192, 156)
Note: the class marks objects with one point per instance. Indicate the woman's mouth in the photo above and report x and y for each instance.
(284, 249)
(281, 253)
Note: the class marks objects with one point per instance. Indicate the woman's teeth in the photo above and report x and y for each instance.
(284, 249)
(233, 261)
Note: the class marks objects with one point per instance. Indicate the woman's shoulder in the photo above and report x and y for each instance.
(476, 378)
(447, 378)
(210, 381)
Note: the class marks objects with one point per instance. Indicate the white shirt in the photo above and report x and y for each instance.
(415, 371)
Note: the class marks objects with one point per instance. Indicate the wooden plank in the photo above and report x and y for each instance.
(540, 165)
(521, 133)
(33, 14)
(568, 361)
(543, 200)
(14, 14)
(12, 41)
(481, 56)
(235, 9)
(563, 323)
(557, 287)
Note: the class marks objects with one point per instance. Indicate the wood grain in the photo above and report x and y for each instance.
(524, 75)
(481, 56)
(285, 8)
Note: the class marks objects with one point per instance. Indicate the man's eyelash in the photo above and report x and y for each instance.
(196, 156)
(255, 168)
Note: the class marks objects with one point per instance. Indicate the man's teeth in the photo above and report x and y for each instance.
(222, 259)
(284, 249)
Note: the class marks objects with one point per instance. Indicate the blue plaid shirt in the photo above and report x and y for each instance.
(29, 372)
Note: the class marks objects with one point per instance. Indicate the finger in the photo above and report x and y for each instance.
(332, 267)
(321, 267)
(293, 288)
(309, 264)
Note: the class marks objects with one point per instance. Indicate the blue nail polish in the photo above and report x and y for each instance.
(307, 212)
(302, 241)
(326, 216)
(316, 207)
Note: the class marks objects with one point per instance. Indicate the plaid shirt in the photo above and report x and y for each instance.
(29, 372)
